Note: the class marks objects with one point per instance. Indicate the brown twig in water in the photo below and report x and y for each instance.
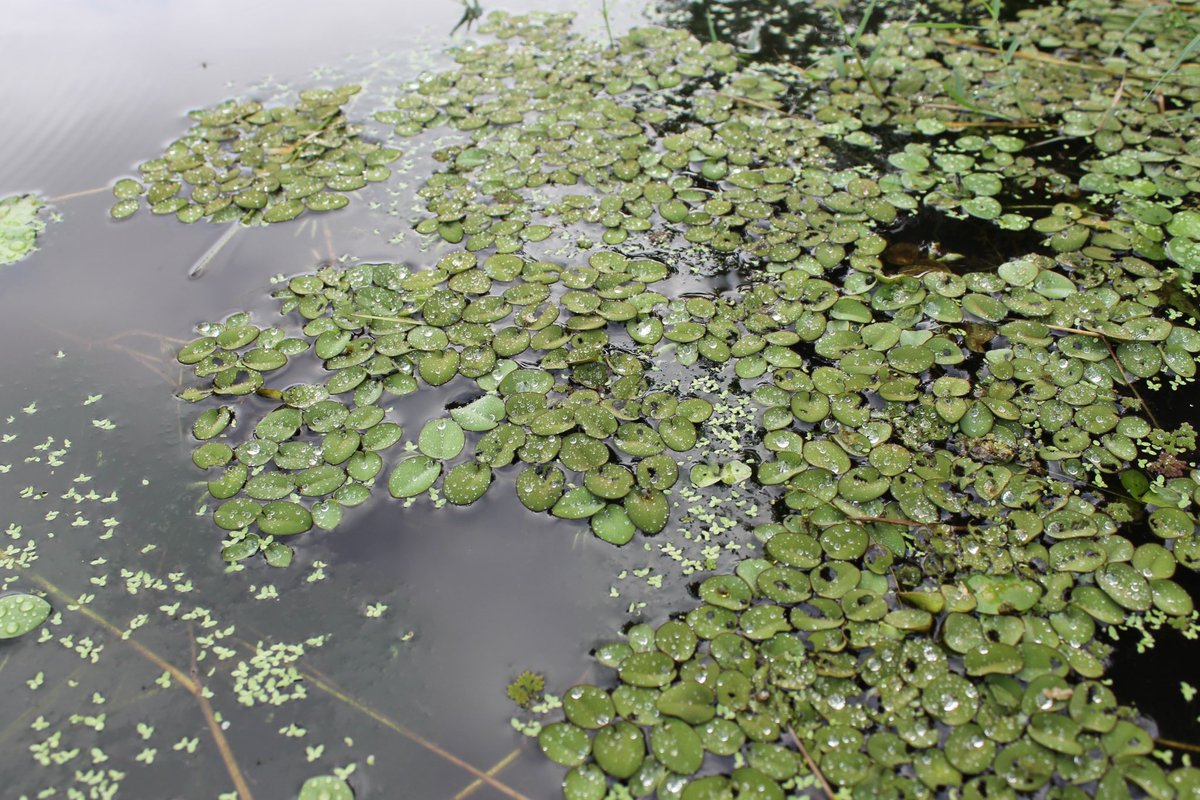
(1087, 332)
(329, 242)
(192, 686)
(1120, 367)
(1112, 106)
(1045, 58)
(1174, 745)
(148, 361)
(757, 104)
(158, 337)
(891, 520)
(494, 770)
(214, 728)
(987, 123)
(73, 195)
(291, 149)
(198, 268)
(1029, 56)
(158, 364)
(1009, 122)
(326, 684)
(812, 765)
(1129, 383)
(406, 320)
(908, 522)
(503, 763)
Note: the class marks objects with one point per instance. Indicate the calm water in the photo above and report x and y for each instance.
(473, 596)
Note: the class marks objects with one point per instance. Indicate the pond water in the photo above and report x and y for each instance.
(383, 652)
(473, 596)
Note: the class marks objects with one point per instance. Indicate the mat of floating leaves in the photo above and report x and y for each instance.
(259, 164)
(923, 615)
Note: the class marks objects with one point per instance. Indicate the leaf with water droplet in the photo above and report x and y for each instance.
(278, 554)
(210, 423)
(577, 503)
(212, 454)
(588, 706)
(413, 476)
(481, 414)
(648, 509)
(325, 787)
(467, 482)
(539, 488)
(21, 613)
(677, 746)
(564, 743)
(441, 439)
(284, 518)
(619, 749)
(612, 524)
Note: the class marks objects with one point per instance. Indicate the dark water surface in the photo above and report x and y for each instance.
(473, 595)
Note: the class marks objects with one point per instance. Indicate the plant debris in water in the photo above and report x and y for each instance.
(325, 787)
(105, 655)
(257, 164)
(19, 226)
(969, 489)
(527, 688)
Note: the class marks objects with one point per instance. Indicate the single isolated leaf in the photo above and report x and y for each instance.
(21, 613)
(413, 475)
(441, 439)
(325, 787)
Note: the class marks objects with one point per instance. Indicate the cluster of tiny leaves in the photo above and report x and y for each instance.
(256, 164)
(19, 226)
(85, 592)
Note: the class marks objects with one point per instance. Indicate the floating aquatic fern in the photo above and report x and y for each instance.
(19, 226)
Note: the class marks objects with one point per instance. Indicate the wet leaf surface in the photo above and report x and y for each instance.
(917, 410)
(272, 163)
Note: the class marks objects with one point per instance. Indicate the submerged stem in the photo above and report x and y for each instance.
(193, 687)
(326, 684)
(812, 765)
(907, 522)
(493, 770)
(212, 252)
(73, 195)
(1124, 377)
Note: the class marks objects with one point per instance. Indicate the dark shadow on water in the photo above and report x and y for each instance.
(926, 239)
(761, 31)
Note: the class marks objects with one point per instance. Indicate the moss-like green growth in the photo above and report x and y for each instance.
(19, 226)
